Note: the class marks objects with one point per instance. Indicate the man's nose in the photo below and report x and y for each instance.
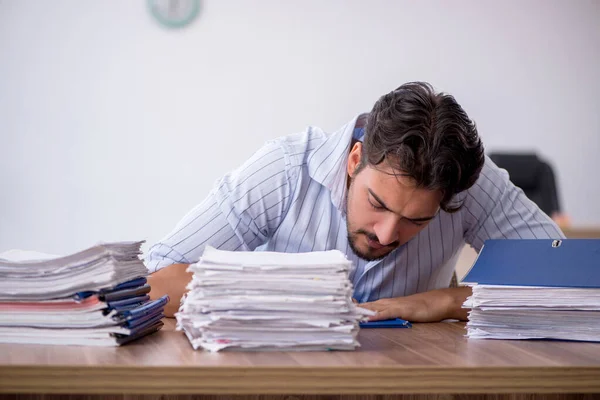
(387, 230)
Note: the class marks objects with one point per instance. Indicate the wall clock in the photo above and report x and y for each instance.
(174, 13)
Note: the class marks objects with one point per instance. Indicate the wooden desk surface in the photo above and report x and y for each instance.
(429, 358)
(582, 232)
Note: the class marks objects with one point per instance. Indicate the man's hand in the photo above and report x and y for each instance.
(432, 306)
(172, 281)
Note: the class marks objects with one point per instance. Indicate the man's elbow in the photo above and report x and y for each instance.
(171, 281)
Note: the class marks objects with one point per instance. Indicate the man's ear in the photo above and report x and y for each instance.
(354, 158)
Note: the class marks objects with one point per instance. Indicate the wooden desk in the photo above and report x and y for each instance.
(429, 358)
(581, 232)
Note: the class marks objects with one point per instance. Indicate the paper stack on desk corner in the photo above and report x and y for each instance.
(520, 312)
(271, 301)
(535, 289)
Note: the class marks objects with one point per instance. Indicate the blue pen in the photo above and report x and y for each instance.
(387, 323)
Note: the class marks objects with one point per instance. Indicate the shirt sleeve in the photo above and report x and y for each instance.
(494, 208)
(242, 211)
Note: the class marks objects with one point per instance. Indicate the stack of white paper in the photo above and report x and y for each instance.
(530, 312)
(98, 296)
(271, 301)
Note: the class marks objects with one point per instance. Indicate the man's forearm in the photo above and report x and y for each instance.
(172, 281)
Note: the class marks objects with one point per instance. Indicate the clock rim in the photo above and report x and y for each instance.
(174, 24)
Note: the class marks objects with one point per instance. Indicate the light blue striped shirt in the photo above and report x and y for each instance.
(290, 197)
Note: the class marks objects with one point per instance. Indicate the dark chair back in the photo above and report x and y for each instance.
(532, 174)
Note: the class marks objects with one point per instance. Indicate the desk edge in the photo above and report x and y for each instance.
(297, 380)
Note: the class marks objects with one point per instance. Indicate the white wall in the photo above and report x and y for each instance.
(112, 127)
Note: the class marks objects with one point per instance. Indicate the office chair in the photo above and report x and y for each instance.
(532, 174)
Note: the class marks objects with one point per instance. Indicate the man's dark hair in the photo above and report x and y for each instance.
(426, 136)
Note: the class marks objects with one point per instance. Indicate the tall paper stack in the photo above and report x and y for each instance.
(271, 301)
(97, 297)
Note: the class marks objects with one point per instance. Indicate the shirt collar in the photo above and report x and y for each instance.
(328, 163)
